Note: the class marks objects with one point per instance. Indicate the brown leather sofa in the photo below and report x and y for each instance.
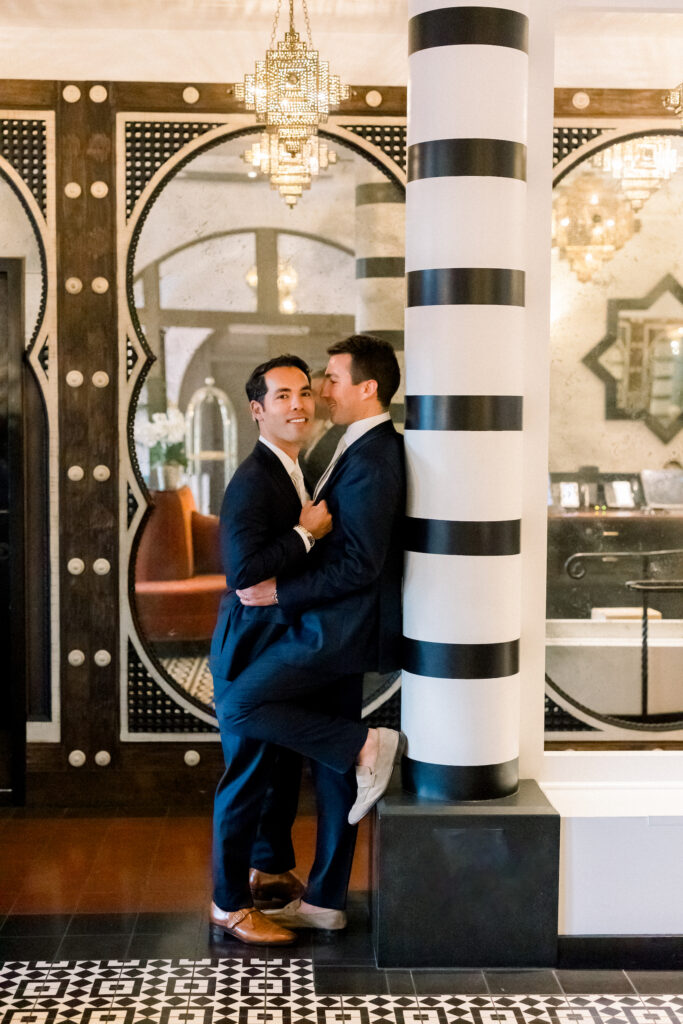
(178, 575)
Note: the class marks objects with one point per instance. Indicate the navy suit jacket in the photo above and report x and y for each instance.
(348, 592)
(259, 510)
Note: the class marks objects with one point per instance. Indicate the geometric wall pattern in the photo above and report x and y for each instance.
(149, 144)
(566, 140)
(150, 709)
(23, 145)
(391, 139)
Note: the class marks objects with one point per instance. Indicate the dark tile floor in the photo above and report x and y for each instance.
(90, 897)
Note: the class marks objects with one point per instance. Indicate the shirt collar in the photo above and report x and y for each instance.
(355, 430)
(289, 464)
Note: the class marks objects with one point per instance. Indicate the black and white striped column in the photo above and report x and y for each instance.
(380, 263)
(465, 259)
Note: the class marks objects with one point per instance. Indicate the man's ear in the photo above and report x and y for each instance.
(256, 411)
(369, 389)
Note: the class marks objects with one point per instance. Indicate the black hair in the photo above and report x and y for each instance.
(371, 359)
(256, 386)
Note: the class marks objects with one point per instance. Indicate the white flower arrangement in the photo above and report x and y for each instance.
(164, 435)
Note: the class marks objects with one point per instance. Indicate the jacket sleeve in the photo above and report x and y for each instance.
(250, 553)
(370, 496)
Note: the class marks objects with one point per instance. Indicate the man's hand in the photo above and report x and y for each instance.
(316, 519)
(262, 593)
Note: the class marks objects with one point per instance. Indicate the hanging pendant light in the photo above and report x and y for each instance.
(291, 93)
(289, 167)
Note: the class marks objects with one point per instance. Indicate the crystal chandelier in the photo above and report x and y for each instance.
(592, 219)
(290, 168)
(641, 166)
(291, 92)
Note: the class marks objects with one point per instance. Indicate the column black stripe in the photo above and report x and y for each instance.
(380, 266)
(461, 661)
(379, 192)
(446, 158)
(463, 412)
(447, 537)
(457, 26)
(458, 286)
(460, 782)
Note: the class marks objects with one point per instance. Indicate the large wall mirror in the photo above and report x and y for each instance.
(615, 490)
(225, 275)
(26, 214)
(20, 240)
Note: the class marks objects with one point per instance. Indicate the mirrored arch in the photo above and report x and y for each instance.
(222, 275)
(615, 495)
(20, 238)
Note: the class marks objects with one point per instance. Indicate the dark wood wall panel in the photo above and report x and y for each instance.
(87, 420)
(20, 92)
(219, 98)
(612, 103)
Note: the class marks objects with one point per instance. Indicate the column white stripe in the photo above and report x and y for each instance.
(467, 92)
(482, 223)
(380, 229)
(461, 721)
(472, 600)
(380, 303)
(470, 475)
(422, 6)
(464, 350)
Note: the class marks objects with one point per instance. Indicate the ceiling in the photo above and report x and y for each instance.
(365, 40)
(337, 15)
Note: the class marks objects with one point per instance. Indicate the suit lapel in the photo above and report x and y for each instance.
(278, 474)
(387, 427)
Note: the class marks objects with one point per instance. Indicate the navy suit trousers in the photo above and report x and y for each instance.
(272, 700)
(256, 803)
(254, 810)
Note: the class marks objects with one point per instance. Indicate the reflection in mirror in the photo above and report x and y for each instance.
(640, 359)
(225, 277)
(615, 537)
(18, 240)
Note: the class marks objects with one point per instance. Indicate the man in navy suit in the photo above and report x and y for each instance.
(344, 604)
(267, 526)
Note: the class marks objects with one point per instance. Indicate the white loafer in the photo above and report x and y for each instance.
(296, 916)
(372, 782)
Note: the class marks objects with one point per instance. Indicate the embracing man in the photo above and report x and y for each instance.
(340, 603)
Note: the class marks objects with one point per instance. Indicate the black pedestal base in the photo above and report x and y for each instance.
(466, 884)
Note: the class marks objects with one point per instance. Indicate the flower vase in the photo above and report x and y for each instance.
(172, 476)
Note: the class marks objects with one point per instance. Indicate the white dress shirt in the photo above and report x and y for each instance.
(353, 433)
(296, 476)
(355, 430)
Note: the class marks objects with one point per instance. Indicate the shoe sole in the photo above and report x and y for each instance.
(213, 928)
(313, 927)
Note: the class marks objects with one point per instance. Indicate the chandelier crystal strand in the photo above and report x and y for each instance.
(641, 166)
(291, 93)
(592, 220)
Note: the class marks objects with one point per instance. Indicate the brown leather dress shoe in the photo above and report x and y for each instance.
(276, 890)
(249, 925)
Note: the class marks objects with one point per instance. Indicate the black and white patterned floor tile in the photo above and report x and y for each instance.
(525, 1009)
(260, 990)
